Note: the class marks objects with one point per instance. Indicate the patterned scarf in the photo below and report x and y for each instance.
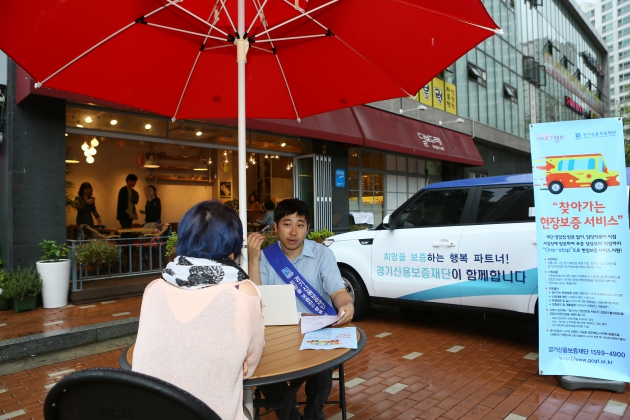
(195, 273)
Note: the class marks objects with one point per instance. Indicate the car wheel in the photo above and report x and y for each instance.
(599, 186)
(359, 293)
(556, 187)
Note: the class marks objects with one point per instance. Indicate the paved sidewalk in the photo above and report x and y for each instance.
(416, 365)
(22, 324)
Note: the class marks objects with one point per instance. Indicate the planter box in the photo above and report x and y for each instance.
(27, 304)
(55, 282)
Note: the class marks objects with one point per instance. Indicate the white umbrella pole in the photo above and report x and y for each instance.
(241, 58)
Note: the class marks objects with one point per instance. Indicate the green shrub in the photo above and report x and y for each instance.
(97, 251)
(52, 251)
(22, 283)
(354, 228)
(171, 244)
(320, 234)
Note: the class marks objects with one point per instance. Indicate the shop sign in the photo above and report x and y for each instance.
(573, 105)
(438, 93)
(431, 142)
(425, 95)
(340, 178)
(592, 63)
(591, 114)
(451, 98)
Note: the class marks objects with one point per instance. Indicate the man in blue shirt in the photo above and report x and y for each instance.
(319, 267)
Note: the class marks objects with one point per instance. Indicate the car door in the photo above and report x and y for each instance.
(498, 250)
(414, 260)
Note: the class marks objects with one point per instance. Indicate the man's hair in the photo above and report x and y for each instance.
(269, 205)
(291, 206)
(131, 177)
(210, 230)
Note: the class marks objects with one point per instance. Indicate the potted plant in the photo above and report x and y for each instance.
(54, 269)
(98, 252)
(171, 244)
(320, 235)
(22, 285)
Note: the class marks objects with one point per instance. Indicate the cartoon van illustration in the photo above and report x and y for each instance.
(575, 171)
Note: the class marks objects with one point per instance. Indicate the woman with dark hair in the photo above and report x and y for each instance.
(254, 204)
(86, 206)
(201, 324)
(153, 207)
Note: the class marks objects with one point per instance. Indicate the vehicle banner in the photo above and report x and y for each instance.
(583, 248)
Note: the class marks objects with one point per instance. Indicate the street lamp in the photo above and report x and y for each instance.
(419, 107)
(458, 121)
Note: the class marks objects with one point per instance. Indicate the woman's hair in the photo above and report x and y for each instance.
(83, 187)
(291, 206)
(210, 230)
(269, 205)
(154, 189)
(253, 195)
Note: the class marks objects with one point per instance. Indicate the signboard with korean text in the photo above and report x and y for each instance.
(583, 244)
(451, 98)
(438, 93)
(425, 95)
(340, 178)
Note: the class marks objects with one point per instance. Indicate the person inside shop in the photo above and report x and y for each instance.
(86, 206)
(201, 325)
(254, 204)
(316, 266)
(267, 221)
(153, 207)
(127, 200)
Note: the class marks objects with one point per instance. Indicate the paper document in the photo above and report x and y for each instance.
(310, 323)
(330, 338)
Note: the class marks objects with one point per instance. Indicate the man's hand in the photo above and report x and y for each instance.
(98, 221)
(254, 241)
(342, 301)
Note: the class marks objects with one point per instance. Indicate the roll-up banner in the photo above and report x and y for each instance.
(583, 242)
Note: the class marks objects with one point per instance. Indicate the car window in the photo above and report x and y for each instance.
(434, 208)
(505, 205)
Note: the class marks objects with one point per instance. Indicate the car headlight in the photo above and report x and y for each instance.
(328, 241)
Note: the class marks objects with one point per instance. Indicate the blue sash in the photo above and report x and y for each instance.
(289, 274)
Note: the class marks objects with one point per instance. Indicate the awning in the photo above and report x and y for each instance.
(359, 125)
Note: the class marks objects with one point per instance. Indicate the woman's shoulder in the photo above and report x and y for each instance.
(248, 287)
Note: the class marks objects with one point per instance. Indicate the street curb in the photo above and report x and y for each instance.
(17, 348)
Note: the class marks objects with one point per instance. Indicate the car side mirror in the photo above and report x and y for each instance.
(388, 222)
(605, 169)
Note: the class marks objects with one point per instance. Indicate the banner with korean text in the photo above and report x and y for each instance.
(583, 245)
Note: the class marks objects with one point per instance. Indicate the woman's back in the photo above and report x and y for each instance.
(199, 340)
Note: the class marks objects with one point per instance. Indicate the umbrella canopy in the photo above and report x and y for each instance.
(177, 58)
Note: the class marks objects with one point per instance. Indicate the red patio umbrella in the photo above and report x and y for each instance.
(177, 58)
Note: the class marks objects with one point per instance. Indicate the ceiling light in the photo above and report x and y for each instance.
(90, 159)
(88, 120)
(151, 163)
(86, 153)
(283, 144)
(91, 151)
(277, 157)
(147, 127)
(79, 125)
(198, 133)
(266, 156)
(66, 134)
(94, 142)
(85, 146)
(200, 166)
(113, 122)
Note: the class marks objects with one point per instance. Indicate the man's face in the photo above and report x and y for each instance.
(292, 231)
(131, 183)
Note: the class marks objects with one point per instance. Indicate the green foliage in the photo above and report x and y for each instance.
(320, 234)
(97, 251)
(269, 240)
(233, 204)
(52, 251)
(171, 243)
(22, 283)
(354, 228)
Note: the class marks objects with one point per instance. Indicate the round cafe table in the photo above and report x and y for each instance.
(282, 361)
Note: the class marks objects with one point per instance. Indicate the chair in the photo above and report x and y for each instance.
(156, 238)
(105, 393)
(96, 234)
(151, 225)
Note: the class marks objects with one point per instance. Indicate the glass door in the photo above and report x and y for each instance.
(312, 183)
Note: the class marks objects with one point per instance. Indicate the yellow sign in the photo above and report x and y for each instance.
(451, 98)
(438, 94)
(425, 96)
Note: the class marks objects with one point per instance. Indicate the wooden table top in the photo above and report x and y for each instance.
(143, 231)
(282, 354)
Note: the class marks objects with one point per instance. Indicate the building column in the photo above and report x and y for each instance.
(32, 175)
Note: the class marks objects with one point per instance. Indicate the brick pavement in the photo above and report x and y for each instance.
(430, 366)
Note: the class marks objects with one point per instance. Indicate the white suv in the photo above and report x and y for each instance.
(468, 242)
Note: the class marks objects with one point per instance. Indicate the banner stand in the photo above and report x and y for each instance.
(571, 383)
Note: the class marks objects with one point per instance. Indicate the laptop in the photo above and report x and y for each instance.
(279, 306)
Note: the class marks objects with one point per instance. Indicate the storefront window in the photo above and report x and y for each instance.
(371, 160)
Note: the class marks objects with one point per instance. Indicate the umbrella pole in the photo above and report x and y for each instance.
(241, 59)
